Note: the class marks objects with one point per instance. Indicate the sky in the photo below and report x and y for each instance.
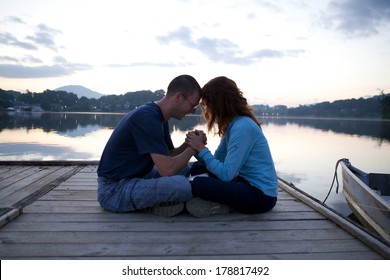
(289, 52)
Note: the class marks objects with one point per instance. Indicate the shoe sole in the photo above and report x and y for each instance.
(168, 210)
(200, 208)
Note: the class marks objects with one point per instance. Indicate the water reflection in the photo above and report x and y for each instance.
(57, 122)
(86, 123)
(378, 129)
(35, 151)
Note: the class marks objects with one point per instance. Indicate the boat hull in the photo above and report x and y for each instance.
(370, 208)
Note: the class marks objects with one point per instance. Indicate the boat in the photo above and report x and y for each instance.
(368, 196)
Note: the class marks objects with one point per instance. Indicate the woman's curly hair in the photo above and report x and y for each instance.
(221, 101)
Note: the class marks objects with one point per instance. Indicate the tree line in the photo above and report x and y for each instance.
(57, 101)
(372, 107)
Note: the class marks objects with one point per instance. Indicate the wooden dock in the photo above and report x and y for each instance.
(48, 210)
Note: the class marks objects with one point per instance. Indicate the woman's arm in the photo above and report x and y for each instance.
(238, 143)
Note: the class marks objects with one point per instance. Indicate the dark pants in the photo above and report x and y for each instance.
(238, 194)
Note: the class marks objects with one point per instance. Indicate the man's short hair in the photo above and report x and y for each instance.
(184, 84)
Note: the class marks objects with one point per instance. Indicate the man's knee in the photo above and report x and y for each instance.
(175, 188)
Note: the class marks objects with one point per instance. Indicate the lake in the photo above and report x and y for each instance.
(304, 150)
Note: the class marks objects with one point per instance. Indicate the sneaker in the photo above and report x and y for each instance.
(167, 209)
(200, 208)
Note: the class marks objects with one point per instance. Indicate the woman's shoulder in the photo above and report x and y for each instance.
(243, 125)
(243, 121)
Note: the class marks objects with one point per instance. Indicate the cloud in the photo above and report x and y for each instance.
(60, 60)
(21, 71)
(15, 19)
(146, 64)
(41, 71)
(268, 5)
(31, 59)
(8, 58)
(45, 37)
(222, 50)
(7, 38)
(358, 18)
(26, 59)
(30, 66)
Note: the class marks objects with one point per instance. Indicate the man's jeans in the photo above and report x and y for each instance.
(139, 193)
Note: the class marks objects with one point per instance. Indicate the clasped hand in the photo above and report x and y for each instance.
(196, 139)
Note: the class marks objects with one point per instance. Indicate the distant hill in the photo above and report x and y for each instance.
(80, 91)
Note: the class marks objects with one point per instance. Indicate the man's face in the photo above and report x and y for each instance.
(188, 104)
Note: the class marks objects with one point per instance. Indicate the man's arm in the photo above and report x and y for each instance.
(171, 165)
(178, 150)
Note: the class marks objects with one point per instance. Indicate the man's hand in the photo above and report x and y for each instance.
(197, 140)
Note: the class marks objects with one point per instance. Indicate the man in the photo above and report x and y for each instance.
(141, 147)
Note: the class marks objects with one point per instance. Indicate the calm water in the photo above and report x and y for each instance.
(305, 151)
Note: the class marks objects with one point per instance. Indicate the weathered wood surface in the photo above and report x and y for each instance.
(51, 212)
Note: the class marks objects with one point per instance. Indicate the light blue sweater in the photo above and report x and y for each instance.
(243, 151)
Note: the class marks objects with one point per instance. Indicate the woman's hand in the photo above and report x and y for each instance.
(197, 140)
(200, 132)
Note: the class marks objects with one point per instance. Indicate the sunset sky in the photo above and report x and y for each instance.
(287, 52)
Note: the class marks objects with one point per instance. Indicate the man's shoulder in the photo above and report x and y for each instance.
(148, 107)
(147, 110)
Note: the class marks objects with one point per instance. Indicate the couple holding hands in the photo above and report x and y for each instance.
(140, 169)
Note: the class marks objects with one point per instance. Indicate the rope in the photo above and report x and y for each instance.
(335, 178)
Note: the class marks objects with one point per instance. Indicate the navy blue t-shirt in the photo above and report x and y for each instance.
(127, 153)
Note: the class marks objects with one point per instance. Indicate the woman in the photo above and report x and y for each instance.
(241, 172)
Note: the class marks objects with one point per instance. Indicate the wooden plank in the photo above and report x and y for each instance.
(76, 209)
(46, 201)
(103, 216)
(3, 167)
(63, 203)
(79, 187)
(87, 199)
(8, 215)
(35, 186)
(173, 248)
(86, 175)
(257, 257)
(90, 206)
(86, 208)
(95, 209)
(168, 226)
(75, 184)
(90, 169)
(71, 195)
(16, 174)
(76, 179)
(13, 169)
(177, 236)
(24, 179)
(6, 171)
